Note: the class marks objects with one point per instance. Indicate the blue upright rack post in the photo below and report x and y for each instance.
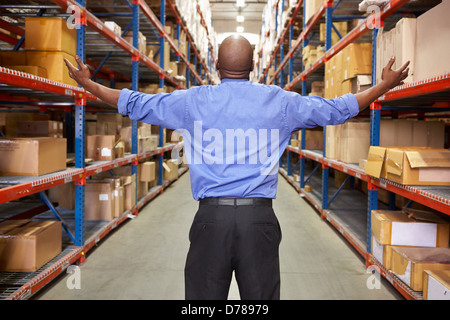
(135, 87)
(304, 93)
(325, 168)
(162, 19)
(80, 106)
(375, 115)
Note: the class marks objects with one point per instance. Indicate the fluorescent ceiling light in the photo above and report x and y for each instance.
(240, 29)
(240, 18)
(240, 3)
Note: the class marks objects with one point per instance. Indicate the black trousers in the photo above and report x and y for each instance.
(243, 239)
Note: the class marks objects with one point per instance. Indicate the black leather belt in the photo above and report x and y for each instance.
(257, 202)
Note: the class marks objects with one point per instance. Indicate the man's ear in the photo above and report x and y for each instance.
(252, 66)
(217, 64)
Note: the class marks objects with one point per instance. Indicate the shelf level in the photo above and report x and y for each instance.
(25, 186)
(435, 197)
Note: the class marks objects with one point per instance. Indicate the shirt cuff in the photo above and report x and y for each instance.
(122, 104)
(352, 104)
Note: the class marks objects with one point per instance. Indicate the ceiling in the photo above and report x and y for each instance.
(224, 14)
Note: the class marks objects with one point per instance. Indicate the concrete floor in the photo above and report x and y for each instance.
(144, 258)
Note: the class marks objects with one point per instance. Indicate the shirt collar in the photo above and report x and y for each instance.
(233, 80)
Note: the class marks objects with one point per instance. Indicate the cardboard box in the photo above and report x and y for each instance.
(34, 70)
(32, 156)
(47, 128)
(418, 166)
(101, 148)
(13, 58)
(436, 285)
(357, 59)
(53, 62)
(409, 264)
(409, 228)
(311, 7)
(383, 252)
(171, 169)
(333, 141)
(313, 139)
(357, 84)
(99, 199)
(432, 43)
(27, 245)
(355, 141)
(405, 45)
(50, 34)
(129, 187)
(118, 195)
(66, 195)
(146, 171)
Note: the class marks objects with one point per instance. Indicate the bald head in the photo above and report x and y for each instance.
(235, 59)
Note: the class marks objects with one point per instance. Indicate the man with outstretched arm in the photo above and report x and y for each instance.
(234, 133)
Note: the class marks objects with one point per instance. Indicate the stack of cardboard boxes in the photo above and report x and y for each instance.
(411, 243)
(48, 42)
(417, 40)
(350, 142)
(349, 70)
(310, 54)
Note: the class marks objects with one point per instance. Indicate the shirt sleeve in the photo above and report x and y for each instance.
(309, 112)
(163, 109)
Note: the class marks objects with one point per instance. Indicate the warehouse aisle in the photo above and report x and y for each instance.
(144, 258)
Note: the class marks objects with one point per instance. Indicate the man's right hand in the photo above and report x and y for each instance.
(392, 78)
(82, 75)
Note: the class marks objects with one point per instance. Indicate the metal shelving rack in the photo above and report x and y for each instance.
(433, 89)
(21, 285)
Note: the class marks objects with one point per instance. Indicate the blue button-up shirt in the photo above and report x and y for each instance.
(235, 132)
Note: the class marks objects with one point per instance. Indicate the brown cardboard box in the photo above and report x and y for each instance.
(405, 45)
(436, 285)
(34, 70)
(357, 84)
(355, 141)
(47, 128)
(357, 59)
(418, 166)
(101, 148)
(170, 169)
(66, 195)
(146, 171)
(376, 164)
(118, 195)
(409, 264)
(129, 187)
(432, 43)
(27, 245)
(383, 252)
(50, 34)
(333, 141)
(409, 228)
(11, 121)
(311, 7)
(313, 139)
(99, 197)
(32, 156)
(13, 58)
(53, 62)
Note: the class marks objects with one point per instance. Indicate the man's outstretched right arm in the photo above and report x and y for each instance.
(83, 77)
